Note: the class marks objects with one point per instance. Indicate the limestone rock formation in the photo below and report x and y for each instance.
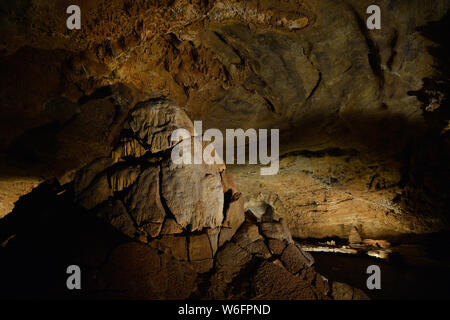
(153, 123)
(87, 115)
(151, 188)
(287, 273)
(193, 194)
(180, 231)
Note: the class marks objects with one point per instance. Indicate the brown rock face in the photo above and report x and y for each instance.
(323, 195)
(246, 269)
(294, 259)
(149, 276)
(273, 287)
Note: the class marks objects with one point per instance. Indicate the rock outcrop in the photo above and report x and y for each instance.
(183, 229)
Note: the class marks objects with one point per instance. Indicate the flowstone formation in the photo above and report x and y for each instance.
(183, 229)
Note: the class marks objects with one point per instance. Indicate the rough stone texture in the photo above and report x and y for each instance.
(160, 265)
(276, 230)
(193, 194)
(171, 227)
(323, 195)
(158, 196)
(293, 259)
(96, 193)
(153, 123)
(246, 269)
(259, 249)
(247, 234)
(234, 209)
(276, 246)
(213, 235)
(128, 148)
(114, 212)
(87, 174)
(231, 259)
(234, 217)
(342, 291)
(199, 247)
(273, 282)
(354, 237)
(175, 245)
(123, 178)
(149, 276)
(143, 199)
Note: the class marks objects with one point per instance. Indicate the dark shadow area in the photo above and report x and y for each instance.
(398, 281)
(44, 235)
(435, 92)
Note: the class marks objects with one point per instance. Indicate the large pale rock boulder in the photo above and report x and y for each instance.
(158, 195)
(193, 194)
(154, 121)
